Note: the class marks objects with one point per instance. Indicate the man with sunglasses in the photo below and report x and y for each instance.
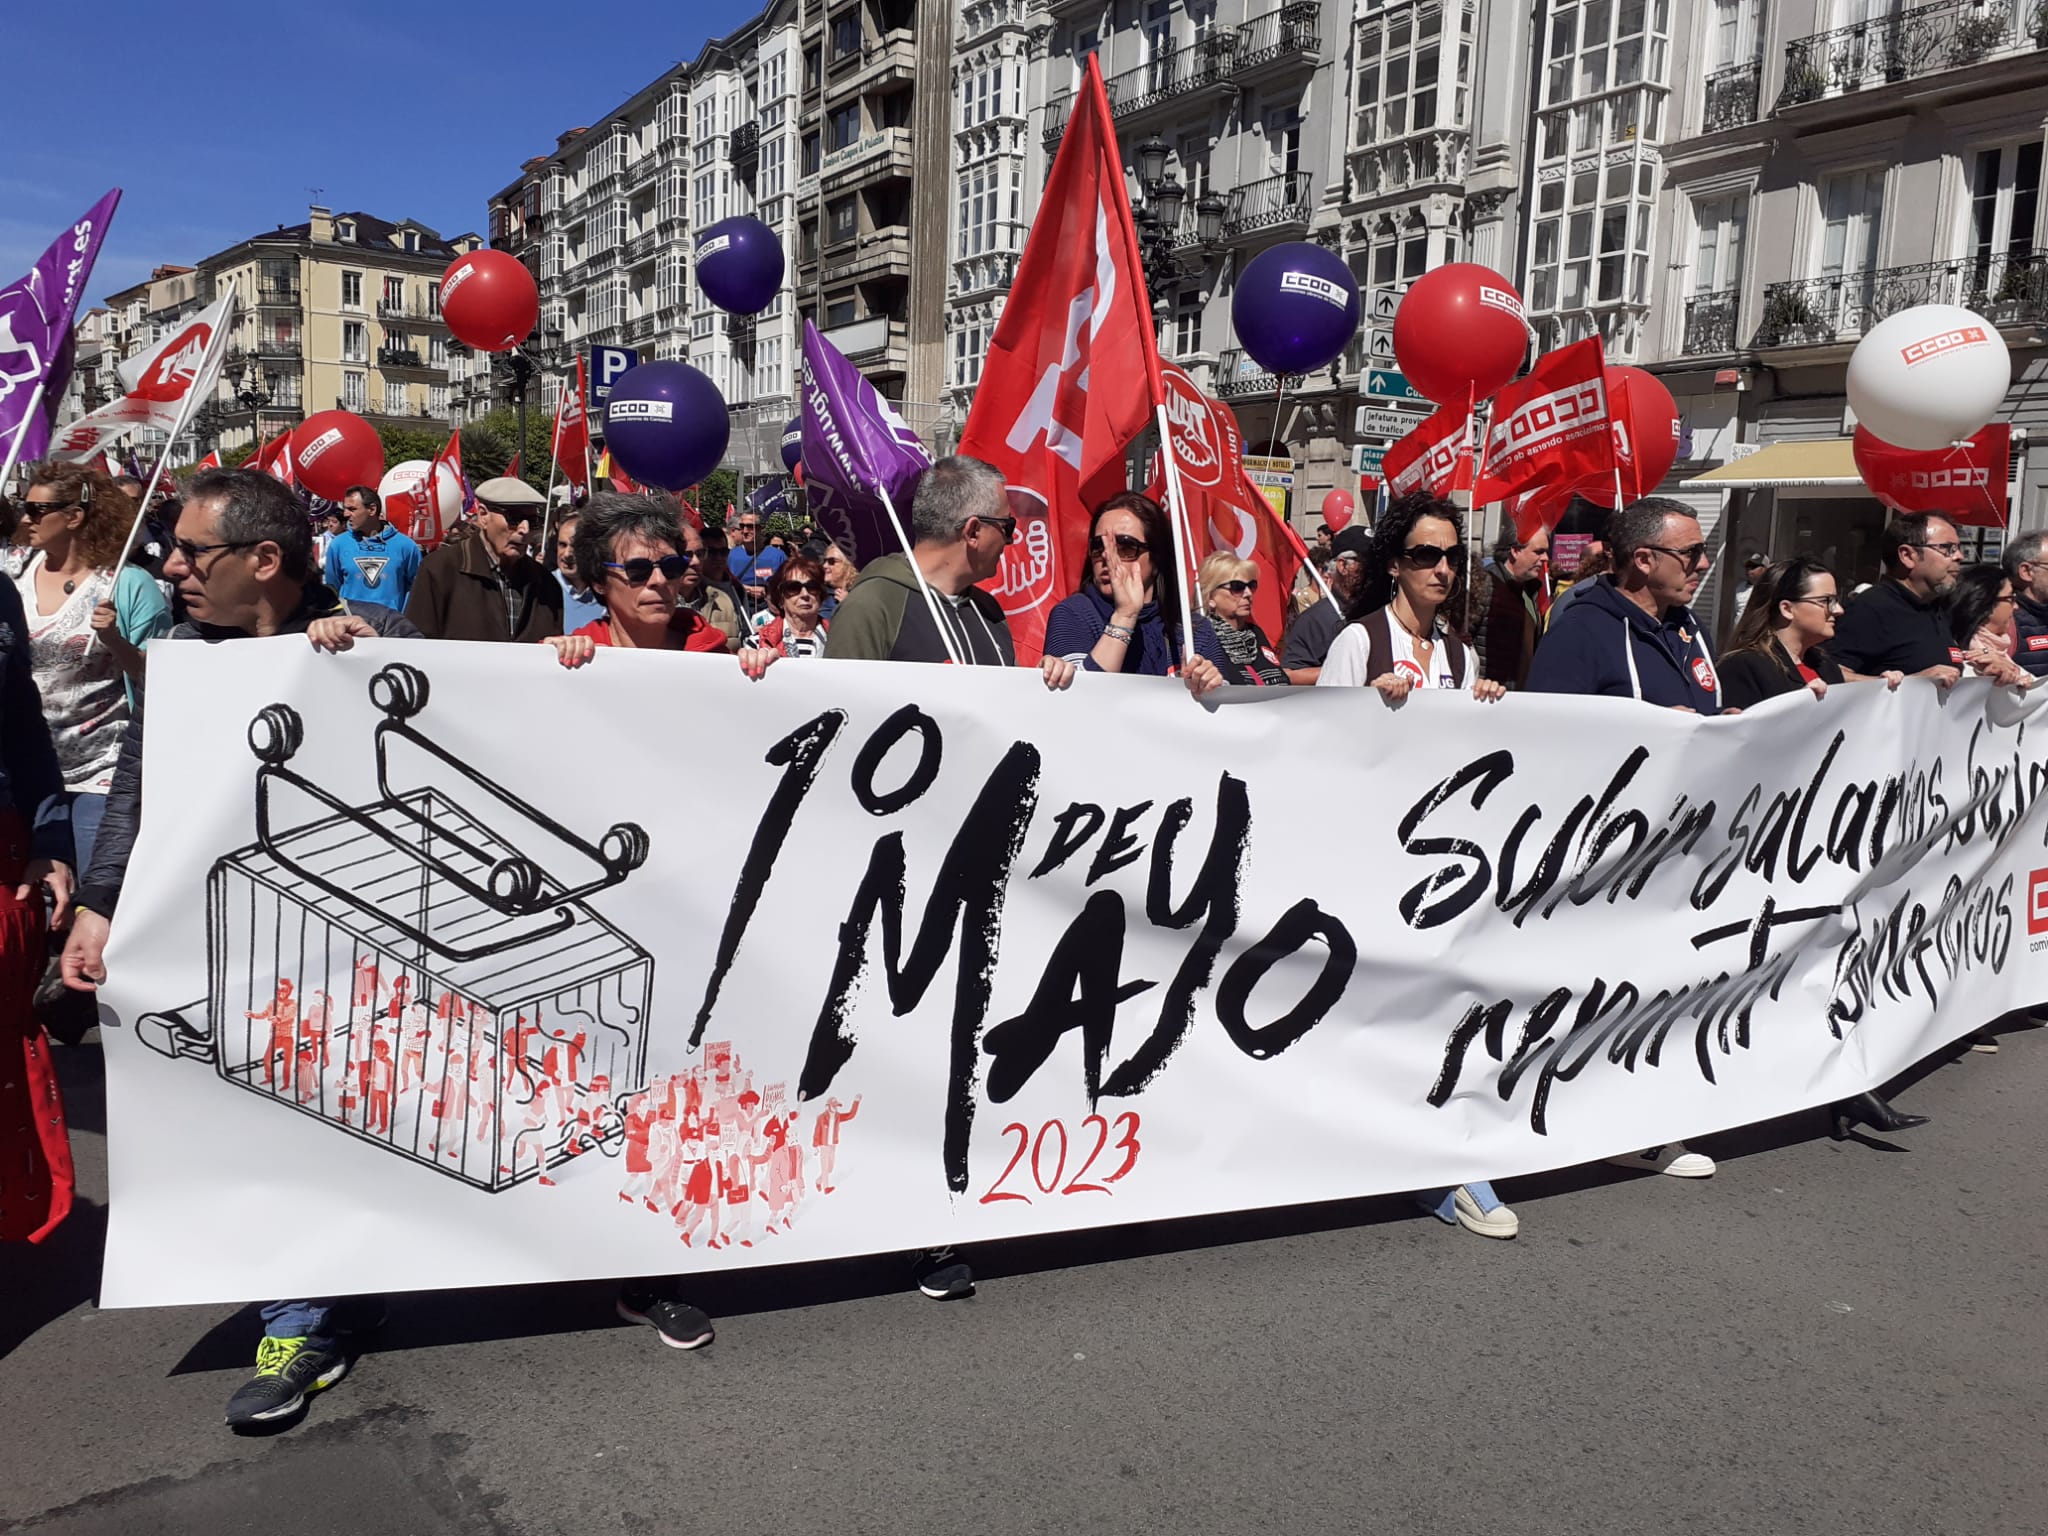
(243, 564)
(482, 584)
(1901, 624)
(2026, 562)
(752, 562)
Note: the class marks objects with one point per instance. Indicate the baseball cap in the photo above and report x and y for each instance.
(1352, 540)
(505, 491)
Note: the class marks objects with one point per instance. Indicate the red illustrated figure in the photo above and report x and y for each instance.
(381, 1074)
(697, 1204)
(367, 984)
(411, 1027)
(782, 1171)
(639, 1168)
(451, 1109)
(283, 1016)
(825, 1138)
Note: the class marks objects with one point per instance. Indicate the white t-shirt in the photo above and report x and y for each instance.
(1345, 666)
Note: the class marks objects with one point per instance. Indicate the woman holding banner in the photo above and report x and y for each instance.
(1229, 583)
(631, 551)
(1129, 615)
(1397, 640)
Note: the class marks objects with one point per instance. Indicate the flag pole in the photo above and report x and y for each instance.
(35, 403)
(930, 598)
(547, 520)
(1183, 535)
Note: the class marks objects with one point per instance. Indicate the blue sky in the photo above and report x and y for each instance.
(215, 119)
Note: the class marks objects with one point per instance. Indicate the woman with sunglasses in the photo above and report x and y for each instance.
(797, 594)
(1229, 584)
(631, 551)
(1980, 611)
(1129, 614)
(1398, 637)
(87, 622)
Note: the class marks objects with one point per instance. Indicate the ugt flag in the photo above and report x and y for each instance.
(1073, 371)
(1549, 429)
(856, 449)
(1224, 509)
(1435, 457)
(163, 385)
(35, 326)
(572, 434)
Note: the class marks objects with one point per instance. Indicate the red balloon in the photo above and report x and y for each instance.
(489, 300)
(1965, 482)
(1646, 427)
(334, 450)
(1337, 509)
(1459, 334)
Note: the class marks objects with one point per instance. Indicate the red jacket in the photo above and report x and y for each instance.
(688, 631)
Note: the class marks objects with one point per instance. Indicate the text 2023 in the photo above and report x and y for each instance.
(1126, 1142)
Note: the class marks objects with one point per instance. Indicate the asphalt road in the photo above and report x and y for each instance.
(1831, 1338)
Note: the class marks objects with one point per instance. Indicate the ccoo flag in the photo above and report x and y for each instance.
(857, 450)
(35, 326)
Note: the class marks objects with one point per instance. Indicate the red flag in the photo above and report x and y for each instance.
(1967, 483)
(1072, 375)
(572, 434)
(1549, 429)
(428, 525)
(1436, 457)
(211, 461)
(512, 469)
(266, 458)
(1224, 509)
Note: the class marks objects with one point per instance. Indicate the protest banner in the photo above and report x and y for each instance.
(430, 1002)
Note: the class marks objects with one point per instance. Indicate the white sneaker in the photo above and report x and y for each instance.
(1984, 1042)
(1498, 1222)
(1672, 1158)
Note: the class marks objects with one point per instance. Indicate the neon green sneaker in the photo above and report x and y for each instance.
(286, 1371)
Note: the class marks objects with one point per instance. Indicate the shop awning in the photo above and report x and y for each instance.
(1827, 462)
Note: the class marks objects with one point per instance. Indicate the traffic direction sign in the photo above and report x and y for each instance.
(1375, 421)
(1366, 458)
(1381, 303)
(1386, 384)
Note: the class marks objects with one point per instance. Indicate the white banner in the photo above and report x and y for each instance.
(658, 970)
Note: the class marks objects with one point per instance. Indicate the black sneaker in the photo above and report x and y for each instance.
(941, 1275)
(287, 1371)
(680, 1325)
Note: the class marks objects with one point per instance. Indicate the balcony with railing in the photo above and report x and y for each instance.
(1278, 41)
(1237, 374)
(1733, 97)
(645, 244)
(1909, 45)
(1179, 73)
(277, 295)
(1710, 324)
(409, 360)
(2008, 290)
(745, 144)
(1275, 206)
(883, 61)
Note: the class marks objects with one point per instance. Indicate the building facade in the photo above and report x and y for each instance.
(137, 319)
(1833, 162)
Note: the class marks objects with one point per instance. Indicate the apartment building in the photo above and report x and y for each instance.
(137, 319)
(341, 311)
(1230, 119)
(92, 383)
(1834, 162)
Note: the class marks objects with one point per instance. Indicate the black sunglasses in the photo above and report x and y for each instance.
(37, 510)
(1688, 557)
(639, 572)
(1126, 546)
(192, 551)
(1238, 587)
(1007, 526)
(815, 588)
(1424, 557)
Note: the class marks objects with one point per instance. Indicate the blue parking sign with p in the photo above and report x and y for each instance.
(607, 364)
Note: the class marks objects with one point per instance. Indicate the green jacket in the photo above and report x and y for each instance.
(885, 618)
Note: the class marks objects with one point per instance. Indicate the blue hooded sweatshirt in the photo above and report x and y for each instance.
(1604, 644)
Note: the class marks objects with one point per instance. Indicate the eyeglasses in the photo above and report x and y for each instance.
(1688, 557)
(639, 572)
(515, 517)
(1237, 587)
(1006, 526)
(1127, 547)
(815, 588)
(192, 551)
(1952, 549)
(37, 510)
(1832, 604)
(1424, 557)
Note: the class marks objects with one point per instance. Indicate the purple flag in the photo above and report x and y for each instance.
(855, 447)
(35, 328)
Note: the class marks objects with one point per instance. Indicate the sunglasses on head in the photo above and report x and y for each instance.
(1238, 587)
(641, 571)
(1127, 547)
(1424, 557)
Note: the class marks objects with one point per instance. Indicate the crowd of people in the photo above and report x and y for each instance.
(1392, 607)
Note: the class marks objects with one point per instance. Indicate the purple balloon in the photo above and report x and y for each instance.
(793, 444)
(739, 265)
(666, 424)
(1296, 308)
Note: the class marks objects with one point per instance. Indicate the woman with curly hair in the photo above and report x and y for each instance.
(1980, 618)
(88, 624)
(1398, 636)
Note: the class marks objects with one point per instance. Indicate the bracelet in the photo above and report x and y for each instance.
(1117, 632)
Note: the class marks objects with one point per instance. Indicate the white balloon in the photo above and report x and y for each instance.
(1929, 376)
(407, 483)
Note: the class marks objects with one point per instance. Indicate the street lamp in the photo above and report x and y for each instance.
(1159, 221)
(249, 390)
(539, 353)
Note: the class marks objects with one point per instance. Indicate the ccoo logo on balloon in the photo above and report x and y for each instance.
(318, 446)
(1315, 287)
(640, 410)
(1947, 341)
